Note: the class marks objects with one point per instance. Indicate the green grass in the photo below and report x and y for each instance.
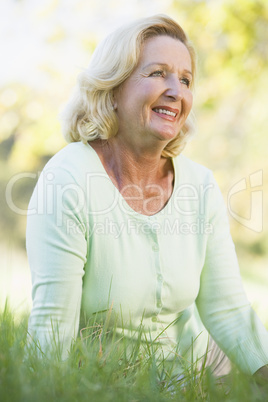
(104, 367)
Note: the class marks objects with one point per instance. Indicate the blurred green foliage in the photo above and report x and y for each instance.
(230, 104)
(30, 134)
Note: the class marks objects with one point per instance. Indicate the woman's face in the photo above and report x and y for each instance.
(154, 102)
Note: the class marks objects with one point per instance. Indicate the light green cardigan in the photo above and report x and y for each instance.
(88, 249)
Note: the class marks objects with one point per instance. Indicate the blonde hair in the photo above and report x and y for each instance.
(89, 115)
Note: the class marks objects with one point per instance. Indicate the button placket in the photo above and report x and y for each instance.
(159, 304)
(155, 247)
(159, 276)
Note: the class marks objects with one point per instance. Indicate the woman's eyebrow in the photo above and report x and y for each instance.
(163, 65)
(188, 72)
(155, 63)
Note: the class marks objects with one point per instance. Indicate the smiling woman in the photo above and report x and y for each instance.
(128, 123)
(160, 100)
(90, 114)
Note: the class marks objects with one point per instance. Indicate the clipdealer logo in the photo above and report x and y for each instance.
(47, 191)
(255, 202)
(133, 227)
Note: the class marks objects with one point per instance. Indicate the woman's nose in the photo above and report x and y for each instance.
(174, 89)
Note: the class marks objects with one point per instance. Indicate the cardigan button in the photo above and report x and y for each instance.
(155, 247)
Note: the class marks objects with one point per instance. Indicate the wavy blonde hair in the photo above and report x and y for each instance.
(89, 115)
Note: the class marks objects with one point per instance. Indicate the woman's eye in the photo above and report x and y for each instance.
(158, 73)
(185, 81)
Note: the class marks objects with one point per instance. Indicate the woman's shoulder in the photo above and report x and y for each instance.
(73, 163)
(73, 155)
(190, 170)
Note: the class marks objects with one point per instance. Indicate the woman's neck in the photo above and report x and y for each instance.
(132, 165)
(144, 180)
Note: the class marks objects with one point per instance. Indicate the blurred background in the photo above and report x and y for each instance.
(45, 44)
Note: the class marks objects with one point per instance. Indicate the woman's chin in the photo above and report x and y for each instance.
(167, 135)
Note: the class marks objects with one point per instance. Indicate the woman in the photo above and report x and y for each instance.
(120, 220)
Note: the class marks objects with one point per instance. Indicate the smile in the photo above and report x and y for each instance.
(165, 111)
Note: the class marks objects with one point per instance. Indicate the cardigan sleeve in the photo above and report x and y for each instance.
(222, 303)
(56, 247)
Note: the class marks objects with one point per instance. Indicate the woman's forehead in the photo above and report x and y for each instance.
(162, 49)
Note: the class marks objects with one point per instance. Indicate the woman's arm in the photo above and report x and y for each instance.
(222, 303)
(57, 248)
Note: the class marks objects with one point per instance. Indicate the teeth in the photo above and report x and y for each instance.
(164, 111)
